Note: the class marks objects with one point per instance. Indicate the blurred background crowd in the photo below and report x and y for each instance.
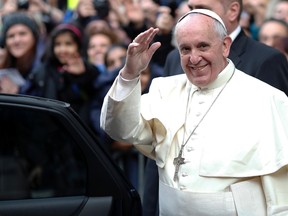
(73, 50)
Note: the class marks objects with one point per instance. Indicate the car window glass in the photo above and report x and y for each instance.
(38, 156)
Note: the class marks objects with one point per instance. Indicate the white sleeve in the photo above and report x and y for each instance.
(123, 88)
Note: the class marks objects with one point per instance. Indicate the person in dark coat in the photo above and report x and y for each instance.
(64, 74)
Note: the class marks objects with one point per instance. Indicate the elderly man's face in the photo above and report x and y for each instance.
(203, 53)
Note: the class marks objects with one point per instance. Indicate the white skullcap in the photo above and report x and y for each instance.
(207, 13)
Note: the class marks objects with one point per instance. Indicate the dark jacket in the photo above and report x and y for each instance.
(77, 90)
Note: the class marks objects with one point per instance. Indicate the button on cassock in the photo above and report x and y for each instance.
(190, 148)
(182, 187)
(184, 174)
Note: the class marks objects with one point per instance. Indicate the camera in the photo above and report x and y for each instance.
(23, 4)
(102, 7)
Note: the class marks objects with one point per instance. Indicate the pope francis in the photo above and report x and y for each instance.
(218, 135)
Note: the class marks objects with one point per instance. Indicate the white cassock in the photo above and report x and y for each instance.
(236, 159)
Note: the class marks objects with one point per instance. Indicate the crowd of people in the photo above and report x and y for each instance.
(73, 50)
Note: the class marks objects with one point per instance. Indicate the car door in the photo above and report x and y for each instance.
(51, 163)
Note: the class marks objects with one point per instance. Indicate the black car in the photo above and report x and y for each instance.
(52, 164)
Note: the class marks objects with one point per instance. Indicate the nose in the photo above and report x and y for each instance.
(118, 62)
(62, 48)
(195, 57)
(16, 38)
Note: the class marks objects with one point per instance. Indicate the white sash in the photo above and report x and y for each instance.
(173, 202)
(247, 197)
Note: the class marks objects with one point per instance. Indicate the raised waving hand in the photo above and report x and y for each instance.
(139, 54)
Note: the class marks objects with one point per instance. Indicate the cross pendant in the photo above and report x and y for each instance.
(177, 162)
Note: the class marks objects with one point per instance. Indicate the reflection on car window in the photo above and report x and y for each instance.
(38, 156)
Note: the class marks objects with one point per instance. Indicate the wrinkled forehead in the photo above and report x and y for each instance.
(205, 12)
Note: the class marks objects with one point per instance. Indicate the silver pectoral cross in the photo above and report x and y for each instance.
(177, 162)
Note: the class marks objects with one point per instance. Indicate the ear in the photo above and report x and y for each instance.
(226, 46)
(234, 11)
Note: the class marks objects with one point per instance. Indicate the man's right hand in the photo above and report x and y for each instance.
(139, 54)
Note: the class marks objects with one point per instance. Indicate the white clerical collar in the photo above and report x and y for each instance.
(235, 33)
(221, 79)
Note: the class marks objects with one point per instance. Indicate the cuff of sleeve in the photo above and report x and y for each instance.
(124, 87)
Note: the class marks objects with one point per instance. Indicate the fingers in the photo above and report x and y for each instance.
(142, 42)
(8, 86)
(153, 48)
(146, 37)
(140, 53)
(75, 65)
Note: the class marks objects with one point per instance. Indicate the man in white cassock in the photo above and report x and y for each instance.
(218, 135)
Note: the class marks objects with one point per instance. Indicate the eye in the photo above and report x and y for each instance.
(203, 46)
(9, 36)
(23, 33)
(184, 50)
(69, 43)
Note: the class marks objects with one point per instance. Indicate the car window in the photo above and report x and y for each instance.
(38, 156)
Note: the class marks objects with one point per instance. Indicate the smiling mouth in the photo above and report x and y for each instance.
(63, 56)
(198, 67)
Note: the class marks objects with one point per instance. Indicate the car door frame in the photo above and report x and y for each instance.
(118, 198)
